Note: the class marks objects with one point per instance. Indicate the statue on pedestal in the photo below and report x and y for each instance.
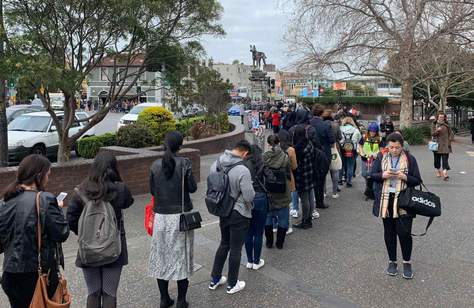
(257, 57)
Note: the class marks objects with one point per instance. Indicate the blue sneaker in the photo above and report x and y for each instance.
(213, 285)
(407, 271)
(392, 269)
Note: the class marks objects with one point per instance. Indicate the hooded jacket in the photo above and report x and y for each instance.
(302, 119)
(277, 159)
(240, 181)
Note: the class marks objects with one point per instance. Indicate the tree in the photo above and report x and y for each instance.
(63, 41)
(362, 37)
(213, 93)
(3, 97)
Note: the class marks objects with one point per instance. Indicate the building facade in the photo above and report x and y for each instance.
(237, 74)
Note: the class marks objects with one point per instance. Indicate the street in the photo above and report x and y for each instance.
(338, 263)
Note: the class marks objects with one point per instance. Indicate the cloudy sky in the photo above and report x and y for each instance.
(257, 22)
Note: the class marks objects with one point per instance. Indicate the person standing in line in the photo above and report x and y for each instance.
(304, 175)
(235, 227)
(287, 146)
(279, 162)
(276, 121)
(336, 130)
(386, 127)
(18, 232)
(103, 183)
(471, 128)
(242, 113)
(254, 240)
(370, 146)
(172, 250)
(350, 139)
(444, 135)
(392, 173)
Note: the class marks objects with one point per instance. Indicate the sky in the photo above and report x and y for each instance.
(258, 22)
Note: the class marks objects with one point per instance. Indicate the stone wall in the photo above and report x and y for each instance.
(134, 166)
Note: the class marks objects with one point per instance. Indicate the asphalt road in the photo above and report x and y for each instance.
(109, 123)
(338, 263)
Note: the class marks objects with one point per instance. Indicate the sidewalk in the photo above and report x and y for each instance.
(338, 263)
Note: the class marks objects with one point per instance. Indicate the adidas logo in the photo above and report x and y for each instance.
(423, 201)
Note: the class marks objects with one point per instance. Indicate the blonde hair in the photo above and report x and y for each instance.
(348, 120)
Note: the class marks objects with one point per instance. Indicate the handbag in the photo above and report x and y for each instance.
(61, 297)
(336, 161)
(149, 216)
(190, 220)
(433, 146)
(419, 202)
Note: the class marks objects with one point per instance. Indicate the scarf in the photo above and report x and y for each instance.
(400, 185)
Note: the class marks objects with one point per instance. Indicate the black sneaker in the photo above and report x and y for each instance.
(392, 269)
(407, 272)
(348, 185)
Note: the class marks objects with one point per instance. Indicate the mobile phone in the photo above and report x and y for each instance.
(61, 196)
(393, 170)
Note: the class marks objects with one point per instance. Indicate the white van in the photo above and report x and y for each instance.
(132, 116)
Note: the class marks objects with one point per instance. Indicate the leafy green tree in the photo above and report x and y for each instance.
(64, 41)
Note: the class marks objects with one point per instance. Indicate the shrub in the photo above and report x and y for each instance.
(201, 130)
(88, 147)
(416, 135)
(221, 120)
(345, 100)
(158, 120)
(134, 136)
(184, 125)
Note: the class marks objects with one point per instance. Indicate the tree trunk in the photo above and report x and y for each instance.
(3, 127)
(406, 113)
(64, 150)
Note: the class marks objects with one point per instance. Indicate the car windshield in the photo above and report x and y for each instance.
(138, 109)
(28, 123)
(9, 112)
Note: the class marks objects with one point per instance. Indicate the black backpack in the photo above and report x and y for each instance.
(278, 183)
(218, 200)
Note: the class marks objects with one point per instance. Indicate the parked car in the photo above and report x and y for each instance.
(35, 133)
(234, 110)
(15, 111)
(132, 116)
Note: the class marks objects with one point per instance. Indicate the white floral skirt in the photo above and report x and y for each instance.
(171, 253)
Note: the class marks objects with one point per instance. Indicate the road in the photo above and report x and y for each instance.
(338, 263)
(108, 124)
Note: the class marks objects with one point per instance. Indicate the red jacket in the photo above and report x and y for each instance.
(275, 119)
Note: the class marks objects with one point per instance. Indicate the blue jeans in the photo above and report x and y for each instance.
(348, 164)
(281, 216)
(294, 200)
(253, 242)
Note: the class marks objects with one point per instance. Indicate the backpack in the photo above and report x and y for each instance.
(347, 145)
(98, 233)
(278, 183)
(218, 200)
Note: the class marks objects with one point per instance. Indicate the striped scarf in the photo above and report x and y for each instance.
(386, 166)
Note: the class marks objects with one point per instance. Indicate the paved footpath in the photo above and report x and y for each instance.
(338, 263)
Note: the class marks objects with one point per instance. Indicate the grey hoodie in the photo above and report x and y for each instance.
(240, 181)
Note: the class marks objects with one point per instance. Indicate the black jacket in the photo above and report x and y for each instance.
(167, 192)
(325, 134)
(18, 232)
(122, 199)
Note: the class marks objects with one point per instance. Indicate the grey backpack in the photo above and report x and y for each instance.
(98, 233)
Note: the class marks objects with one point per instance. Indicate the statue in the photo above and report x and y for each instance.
(257, 57)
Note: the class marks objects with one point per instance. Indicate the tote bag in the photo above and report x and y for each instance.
(336, 161)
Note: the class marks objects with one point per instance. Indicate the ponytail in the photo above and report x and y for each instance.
(173, 141)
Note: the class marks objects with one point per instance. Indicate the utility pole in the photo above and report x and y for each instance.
(3, 98)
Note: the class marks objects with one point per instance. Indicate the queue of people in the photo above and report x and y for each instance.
(266, 188)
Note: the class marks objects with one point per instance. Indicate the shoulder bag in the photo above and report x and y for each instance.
(419, 202)
(61, 298)
(190, 220)
(433, 145)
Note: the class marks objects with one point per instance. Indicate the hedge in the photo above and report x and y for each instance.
(88, 147)
(184, 125)
(416, 135)
(158, 121)
(345, 100)
(134, 136)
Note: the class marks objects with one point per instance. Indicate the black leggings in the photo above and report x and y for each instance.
(441, 160)
(400, 226)
(182, 289)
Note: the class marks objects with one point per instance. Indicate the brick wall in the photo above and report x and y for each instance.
(216, 144)
(134, 166)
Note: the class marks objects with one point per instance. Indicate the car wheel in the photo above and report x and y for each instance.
(39, 149)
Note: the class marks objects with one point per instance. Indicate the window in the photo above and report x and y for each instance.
(103, 74)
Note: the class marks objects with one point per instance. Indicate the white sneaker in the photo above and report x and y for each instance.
(249, 265)
(315, 215)
(289, 231)
(213, 286)
(259, 265)
(294, 213)
(335, 196)
(325, 195)
(239, 286)
(274, 230)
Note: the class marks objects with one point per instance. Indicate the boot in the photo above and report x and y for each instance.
(94, 300)
(281, 233)
(303, 224)
(109, 301)
(182, 304)
(166, 302)
(269, 236)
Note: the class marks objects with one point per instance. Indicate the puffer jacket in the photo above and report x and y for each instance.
(277, 159)
(18, 232)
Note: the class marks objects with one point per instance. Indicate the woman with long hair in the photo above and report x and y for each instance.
(171, 255)
(287, 146)
(443, 134)
(18, 232)
(103, 184)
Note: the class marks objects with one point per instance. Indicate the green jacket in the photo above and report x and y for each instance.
(276, 158)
